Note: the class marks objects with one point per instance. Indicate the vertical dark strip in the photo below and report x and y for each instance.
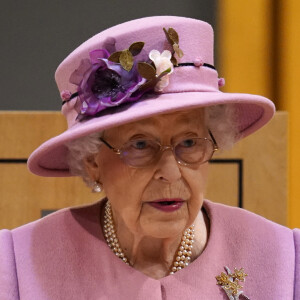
(240, 184)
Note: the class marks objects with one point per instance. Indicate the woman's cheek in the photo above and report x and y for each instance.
(126, 194)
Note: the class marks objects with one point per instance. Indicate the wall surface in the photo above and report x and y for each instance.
(37, 35)
(259, 50)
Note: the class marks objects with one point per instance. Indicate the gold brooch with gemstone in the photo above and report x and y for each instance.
(230, 283)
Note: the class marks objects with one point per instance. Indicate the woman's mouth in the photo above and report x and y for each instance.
(167, 205)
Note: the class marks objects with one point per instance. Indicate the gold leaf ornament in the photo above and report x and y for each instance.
(174, 61)
(146, 70)
(230, 283)
(126, 60)
(239, 274)
(136, 48)
(177, 50)
(115, 57)
(222, 279)
(173, 35)
(173, 39)
(152, 82)
(167, 36)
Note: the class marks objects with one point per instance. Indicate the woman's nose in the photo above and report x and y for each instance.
(167, 168)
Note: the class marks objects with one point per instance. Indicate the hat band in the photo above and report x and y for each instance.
(74, 95)
(183, 80)
(192, 79)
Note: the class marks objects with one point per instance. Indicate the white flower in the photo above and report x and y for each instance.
(162, 62)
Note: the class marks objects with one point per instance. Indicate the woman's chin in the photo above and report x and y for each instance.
(164, 233)
(163, 228)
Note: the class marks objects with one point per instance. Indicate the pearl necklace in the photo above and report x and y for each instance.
(184, 252)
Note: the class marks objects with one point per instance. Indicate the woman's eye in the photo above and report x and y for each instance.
(140, 144)
(188, 143)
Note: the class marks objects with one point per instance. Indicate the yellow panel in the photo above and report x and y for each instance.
(264, 156)
(24, 131)
(289, 96)
(223, 184)
(24, 195)
(245, 45)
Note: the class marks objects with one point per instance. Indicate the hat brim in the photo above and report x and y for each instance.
(50, 159)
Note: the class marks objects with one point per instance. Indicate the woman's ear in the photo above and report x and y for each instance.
(92, 167)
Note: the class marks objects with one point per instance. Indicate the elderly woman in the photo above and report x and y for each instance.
(145, 116)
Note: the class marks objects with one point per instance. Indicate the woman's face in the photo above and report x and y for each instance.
(132, 191)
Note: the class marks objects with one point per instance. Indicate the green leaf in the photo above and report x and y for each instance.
(136, 48)
(149, 85)
(165, 72)
(115, 57)
(173, 35)
(126, 60)
(146, 70)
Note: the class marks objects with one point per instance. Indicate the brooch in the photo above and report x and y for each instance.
(230, 283)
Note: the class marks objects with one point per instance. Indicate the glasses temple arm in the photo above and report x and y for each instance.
(107, 144)
(213, 139)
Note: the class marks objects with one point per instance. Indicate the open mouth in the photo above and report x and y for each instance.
(169, 205)
(166, 202)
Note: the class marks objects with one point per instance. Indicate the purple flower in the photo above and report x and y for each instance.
(106, 84)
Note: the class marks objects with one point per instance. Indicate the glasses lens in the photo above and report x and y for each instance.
(194, 150)
(139, 153)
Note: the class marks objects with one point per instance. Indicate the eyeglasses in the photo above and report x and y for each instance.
(187, 151)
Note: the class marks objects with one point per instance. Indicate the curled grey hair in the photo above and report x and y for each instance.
(220, 119)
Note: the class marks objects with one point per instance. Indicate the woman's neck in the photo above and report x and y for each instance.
(154, 257)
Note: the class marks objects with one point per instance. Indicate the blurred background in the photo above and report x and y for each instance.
(257, 49)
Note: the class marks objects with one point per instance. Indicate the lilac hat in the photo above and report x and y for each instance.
(136, 70)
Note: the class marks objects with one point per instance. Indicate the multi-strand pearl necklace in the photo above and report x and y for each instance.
(182, 258)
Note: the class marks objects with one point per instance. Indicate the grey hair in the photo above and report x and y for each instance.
(220, 119)
(80, 149)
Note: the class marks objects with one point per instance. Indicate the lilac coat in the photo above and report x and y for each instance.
(64, 256)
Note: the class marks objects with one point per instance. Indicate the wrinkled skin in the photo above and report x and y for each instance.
(148, 236)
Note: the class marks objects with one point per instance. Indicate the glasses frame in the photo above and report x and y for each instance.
(162, 148)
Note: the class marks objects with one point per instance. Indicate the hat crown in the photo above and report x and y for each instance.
(195, 40)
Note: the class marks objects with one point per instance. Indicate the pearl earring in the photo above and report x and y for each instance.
(97, 188)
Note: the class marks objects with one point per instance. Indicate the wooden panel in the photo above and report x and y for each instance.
(223, 183)
(26, 130)
(24, 196)
(264, 156)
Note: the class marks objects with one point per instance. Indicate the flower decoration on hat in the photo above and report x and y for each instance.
(125, 57)
(173, 39)
(106, 84)
(162, 63)
(110, 79)
(230, 283)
